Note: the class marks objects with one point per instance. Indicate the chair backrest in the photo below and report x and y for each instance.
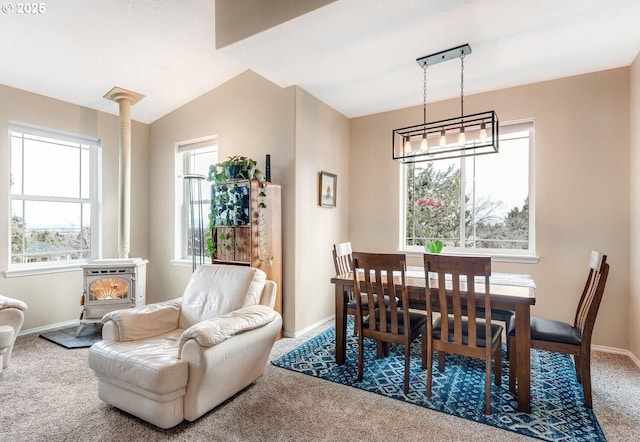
(381, 274)
(342, 258)
(217, 289)
(592, 295)
(456, 276)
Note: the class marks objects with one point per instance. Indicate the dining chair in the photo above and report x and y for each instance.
(343, 262)
(461, 331)
(385, 321)
(560, 337)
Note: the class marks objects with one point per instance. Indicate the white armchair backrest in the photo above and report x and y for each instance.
(216, 289)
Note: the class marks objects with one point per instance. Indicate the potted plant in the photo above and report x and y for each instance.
(225, 200)
(233, 168)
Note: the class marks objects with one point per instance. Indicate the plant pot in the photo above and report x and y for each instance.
(233, 171)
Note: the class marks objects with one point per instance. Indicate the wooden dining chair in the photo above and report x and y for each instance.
(343, 262)
(385, 321)
(342, 259)
(461, 331)
(560, 337)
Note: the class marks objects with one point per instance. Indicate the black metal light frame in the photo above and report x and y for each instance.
(473, 125)
(481, 130)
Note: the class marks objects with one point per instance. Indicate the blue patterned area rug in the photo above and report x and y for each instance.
(557, 407)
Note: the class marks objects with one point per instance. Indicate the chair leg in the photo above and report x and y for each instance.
(441, 357)
(424, 349)
(497, 368)
(512, 364)
(487, 387)
(578, 364)
(407, 359)
(429, 367)
(360, 355)
(585, 373)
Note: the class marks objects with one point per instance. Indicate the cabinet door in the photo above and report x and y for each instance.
(231, 204)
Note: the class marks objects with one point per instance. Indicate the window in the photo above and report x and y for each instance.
(195, 157)
(471, 204)
(55, 198)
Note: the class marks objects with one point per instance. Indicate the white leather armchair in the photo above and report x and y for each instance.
(178, 359)
(11, 321)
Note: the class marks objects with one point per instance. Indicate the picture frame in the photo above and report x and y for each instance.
(327, 189)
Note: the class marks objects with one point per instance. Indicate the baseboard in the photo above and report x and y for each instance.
(307, 329)
(49, 327)
(618, 351)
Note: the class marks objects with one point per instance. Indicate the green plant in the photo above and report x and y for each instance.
(433, 246)
(262, 229)
(226, 210)
(233, 168)
(226, 203)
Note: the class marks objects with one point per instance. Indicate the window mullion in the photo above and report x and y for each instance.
(463, 185)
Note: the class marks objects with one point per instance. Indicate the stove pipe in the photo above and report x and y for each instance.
(125, 100)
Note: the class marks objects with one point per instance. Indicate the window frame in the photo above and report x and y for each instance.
(505, 255)
(94, 199)
(184, 167)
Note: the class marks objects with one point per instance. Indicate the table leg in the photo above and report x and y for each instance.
(341, 323)
(523, 355)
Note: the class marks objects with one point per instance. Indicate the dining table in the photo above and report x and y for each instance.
(508, 292)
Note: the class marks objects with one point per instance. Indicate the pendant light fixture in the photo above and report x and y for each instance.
(466, 135)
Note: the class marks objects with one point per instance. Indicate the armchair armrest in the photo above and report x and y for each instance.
(214, 331)
(141, 322)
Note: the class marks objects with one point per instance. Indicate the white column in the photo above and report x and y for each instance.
(125, 100)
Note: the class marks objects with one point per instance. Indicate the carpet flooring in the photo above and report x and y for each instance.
(558, 411)
(49, 394)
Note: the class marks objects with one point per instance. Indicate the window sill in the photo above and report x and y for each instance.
(496, 257)
(18, 270)
(186, 262)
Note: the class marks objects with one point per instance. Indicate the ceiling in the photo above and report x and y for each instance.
(357, 56)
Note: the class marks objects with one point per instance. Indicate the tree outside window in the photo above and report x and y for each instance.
(474, 203)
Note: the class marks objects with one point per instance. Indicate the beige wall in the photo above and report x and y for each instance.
(634, 301)
(581, 190)
(322, 144)
(252, 117)
(55, 297)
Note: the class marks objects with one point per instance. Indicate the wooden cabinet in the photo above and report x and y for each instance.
(246, 230)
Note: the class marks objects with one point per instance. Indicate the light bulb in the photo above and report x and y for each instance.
(423, 143)
(483, 133)
(443, 138)
(407, 145)
(462, 139)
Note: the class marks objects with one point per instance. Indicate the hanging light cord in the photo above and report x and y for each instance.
(424, 95)
(462, 83)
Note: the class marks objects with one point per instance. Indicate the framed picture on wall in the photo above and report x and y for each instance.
(327, 189)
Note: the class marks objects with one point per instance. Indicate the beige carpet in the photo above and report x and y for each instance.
(49, 394)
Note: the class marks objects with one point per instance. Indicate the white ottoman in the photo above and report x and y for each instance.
(6, 339)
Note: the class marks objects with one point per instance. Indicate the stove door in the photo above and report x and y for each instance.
(109, 289)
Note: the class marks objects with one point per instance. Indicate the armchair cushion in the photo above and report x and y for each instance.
(214, 331)
(149, 364)
(145, 321)
(215, 290)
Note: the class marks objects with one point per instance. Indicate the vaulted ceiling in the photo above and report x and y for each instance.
(358, 56)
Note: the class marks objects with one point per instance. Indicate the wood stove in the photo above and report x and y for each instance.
(111, 284)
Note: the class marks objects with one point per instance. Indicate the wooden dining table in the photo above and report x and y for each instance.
(508, 291)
